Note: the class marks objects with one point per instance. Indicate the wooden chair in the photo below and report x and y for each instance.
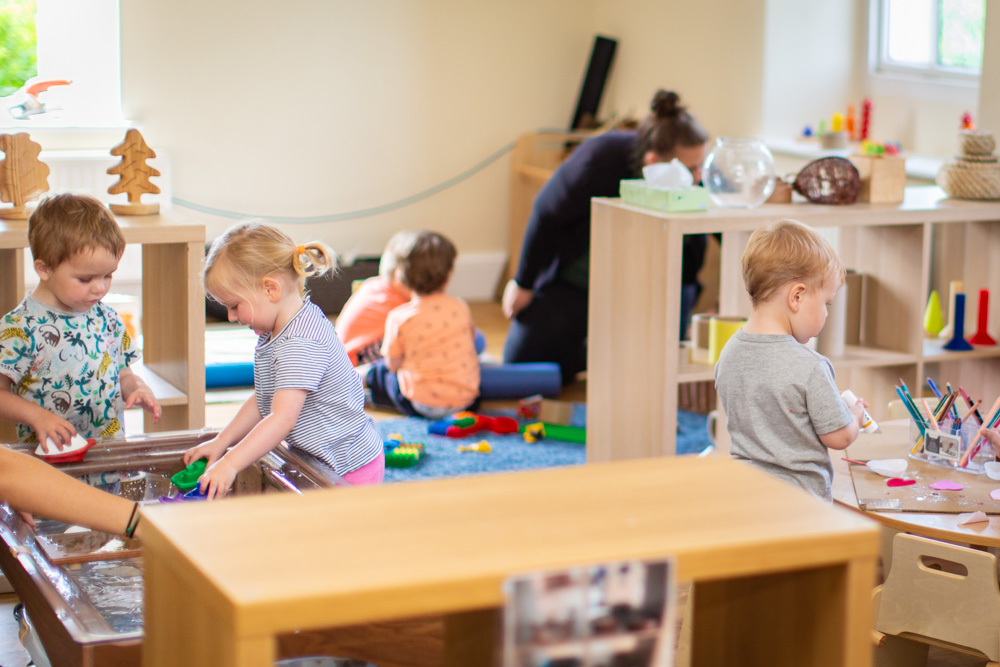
(937, 594)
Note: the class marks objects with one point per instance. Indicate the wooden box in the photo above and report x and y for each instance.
(883, 178)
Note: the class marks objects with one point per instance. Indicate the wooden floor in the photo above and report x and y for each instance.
(490, 320)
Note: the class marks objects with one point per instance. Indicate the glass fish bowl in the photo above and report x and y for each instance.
(739, 172)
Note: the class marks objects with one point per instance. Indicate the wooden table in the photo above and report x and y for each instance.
(780, 577)
(891, 443)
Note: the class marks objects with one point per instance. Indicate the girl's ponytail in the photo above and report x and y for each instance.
(314, 259)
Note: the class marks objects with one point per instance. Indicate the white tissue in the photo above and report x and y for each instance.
(673, 175)
(972, 517)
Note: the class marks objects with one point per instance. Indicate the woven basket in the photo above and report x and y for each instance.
(976, 142)
(829, 180)
(970, 180)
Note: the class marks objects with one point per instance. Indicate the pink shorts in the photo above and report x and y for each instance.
(370, 473)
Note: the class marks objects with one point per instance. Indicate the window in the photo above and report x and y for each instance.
(940, 39)
(18, 56)
(77, 42)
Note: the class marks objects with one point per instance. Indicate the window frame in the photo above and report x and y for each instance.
(60, 42)
(880, 64)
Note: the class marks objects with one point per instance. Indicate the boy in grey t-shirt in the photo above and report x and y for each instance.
(782, 406)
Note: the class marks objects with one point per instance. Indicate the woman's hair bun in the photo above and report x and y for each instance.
(666, 104)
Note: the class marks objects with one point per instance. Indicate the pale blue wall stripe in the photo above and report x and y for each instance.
(353, 215)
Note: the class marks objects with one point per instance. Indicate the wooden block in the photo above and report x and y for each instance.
(883, 178)
(699, 337)
(556, 412)
(855, 290)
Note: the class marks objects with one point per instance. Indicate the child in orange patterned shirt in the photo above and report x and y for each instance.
(429, 366)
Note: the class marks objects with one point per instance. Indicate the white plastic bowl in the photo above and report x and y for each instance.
(888, 467)
(992, 469)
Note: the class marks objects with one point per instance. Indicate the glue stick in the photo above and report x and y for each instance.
(868, 424)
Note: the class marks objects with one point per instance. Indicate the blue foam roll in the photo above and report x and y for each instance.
(519, 380)
(237, 374)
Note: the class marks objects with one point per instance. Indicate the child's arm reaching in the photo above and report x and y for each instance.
(843, 437)
(45, 424)
(137, 392)
(211, 450)
(262, 438)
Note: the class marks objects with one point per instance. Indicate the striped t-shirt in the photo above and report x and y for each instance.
(332, 425)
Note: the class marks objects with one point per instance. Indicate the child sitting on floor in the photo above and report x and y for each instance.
(430, 367)
(305, 389)
(64, 354)
(782, 406)
(361, 323)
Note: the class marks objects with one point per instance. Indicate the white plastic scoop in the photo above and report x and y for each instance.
(884, 467)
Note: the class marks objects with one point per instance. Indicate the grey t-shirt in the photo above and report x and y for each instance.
(779, 397)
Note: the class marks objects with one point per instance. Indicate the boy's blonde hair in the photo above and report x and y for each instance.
(250, 251)
(784, 253)
(394, 249)
(65, 224)
(425, 262)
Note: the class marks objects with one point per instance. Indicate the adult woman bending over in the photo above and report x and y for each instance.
(547, 298)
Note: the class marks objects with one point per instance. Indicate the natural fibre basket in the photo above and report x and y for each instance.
(829, 180)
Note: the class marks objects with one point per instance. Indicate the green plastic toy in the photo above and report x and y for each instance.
(399, 454)
(187, 479)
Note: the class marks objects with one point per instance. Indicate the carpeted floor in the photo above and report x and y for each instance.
(509, 452)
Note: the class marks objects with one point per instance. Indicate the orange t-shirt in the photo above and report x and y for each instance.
(362, 320)
(435, 339)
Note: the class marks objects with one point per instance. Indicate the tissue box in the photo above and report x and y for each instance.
(639, 193)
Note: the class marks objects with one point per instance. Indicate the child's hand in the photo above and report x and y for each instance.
(217, 479)
(858, 410)
(48, 425)
(993, 436)
(143, 396)
(210, 450)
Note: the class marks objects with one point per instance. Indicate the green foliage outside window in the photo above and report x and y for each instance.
(18, 53)
(960, 37)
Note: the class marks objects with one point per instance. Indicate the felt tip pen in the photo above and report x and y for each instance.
(868, 424)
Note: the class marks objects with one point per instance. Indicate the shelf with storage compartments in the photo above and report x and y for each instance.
(636, 361)
(173, 354)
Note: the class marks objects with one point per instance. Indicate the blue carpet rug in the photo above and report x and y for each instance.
(510, 452)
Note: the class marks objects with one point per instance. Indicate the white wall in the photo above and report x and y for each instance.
(710, 51)
(808, 64)
(321, 107)
(324, 107)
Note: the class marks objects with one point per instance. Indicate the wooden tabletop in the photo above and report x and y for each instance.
(168, 227)
(343, 556)
(891, 443)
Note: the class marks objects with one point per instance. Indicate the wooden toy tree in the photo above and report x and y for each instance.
(133, 175)
(22, 175)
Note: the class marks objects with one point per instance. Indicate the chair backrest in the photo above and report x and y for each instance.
(941, 591)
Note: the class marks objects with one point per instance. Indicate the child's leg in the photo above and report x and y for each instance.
(383, 385)
(370, 473)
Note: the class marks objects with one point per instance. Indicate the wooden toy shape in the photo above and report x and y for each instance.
(958, 341)
(22, 175)
(954, 287)
(133, 175)
(982, 336)
(933, 320)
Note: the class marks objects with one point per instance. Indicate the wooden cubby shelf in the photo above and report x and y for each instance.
(636, 360)
(173, 320)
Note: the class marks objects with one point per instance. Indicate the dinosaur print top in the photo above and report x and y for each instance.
(68, 363)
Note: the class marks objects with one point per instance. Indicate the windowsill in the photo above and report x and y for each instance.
(61, 134)
(923, 167)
